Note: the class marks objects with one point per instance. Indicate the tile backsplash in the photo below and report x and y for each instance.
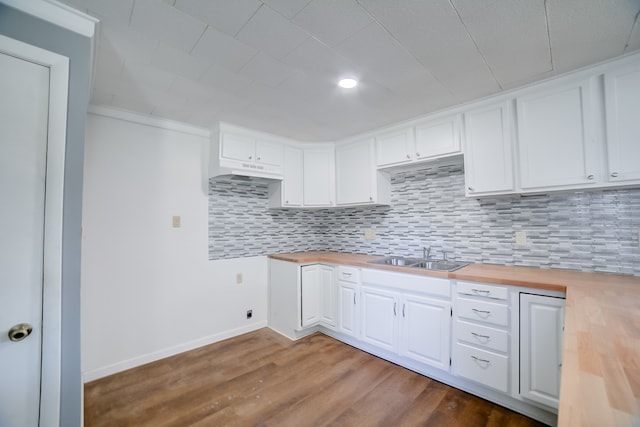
(588, 231)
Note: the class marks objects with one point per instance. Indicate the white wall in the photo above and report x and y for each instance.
(148, 290)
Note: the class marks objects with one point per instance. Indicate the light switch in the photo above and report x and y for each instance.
(238, 278)
(175, 220)
(521, 238)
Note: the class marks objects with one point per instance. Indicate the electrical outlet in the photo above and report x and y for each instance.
(249, 314)
(521, 238)
(238, 278)
(369, 234)
(175, 221)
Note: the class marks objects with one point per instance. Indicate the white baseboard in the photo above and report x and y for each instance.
(171, 351)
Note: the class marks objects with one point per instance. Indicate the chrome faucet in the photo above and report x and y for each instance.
(426, 252)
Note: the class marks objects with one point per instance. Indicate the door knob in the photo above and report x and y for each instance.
(20, 332)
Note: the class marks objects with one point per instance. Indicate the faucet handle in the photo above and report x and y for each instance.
(444, 255)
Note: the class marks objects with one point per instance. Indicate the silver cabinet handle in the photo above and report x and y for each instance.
(614, 174)
(394, 308)
(250, 157)
(417, 154)
(354, 299)
(346, 274)
(370, 199)
(481, 291)
(477, 359)
(403, 310)
(408, 156)
(481, 311)
(286, 201)
(470, 188)
(590, 177)
(259, 158)
(486, 337)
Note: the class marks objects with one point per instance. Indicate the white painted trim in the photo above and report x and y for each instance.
(57, 13)
(52, 274)
(142, 119)
(167, 352)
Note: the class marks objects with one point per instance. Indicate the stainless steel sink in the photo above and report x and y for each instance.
(398, 261)
(437, 265)
(440, 265)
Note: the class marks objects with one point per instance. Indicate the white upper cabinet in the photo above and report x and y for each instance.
(318, 177)
(395, 148)
(238, 147)
(622, 94)
(289, 192)
(429, 139)
(238, 151)
(437, 138)
(250, 150)
(555, 141)
(357, 180)
(488, 161)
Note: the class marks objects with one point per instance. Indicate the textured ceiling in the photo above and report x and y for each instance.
(273, 65)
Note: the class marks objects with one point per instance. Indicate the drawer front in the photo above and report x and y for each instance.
(348, 274)
(482, 336)
(408, 282)
(482, 366)
(482, 290)
(483, 311)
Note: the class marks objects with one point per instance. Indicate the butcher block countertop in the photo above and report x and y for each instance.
(600, 383)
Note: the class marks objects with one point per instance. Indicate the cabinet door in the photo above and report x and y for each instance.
(328, 295)
(269, 153)
(488, 162)
(311, 294)
(541, 330)
(355, 173)
(237, 147)
(292, 178)
(318, 177)
(426, 330)
(438, 138)
(555, 144)
(622, 91)
(395, 147)
(379, 318)
(348, 309)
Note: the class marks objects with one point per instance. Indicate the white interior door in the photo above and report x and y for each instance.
(24, 106)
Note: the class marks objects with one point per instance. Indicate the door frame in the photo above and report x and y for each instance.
(53, 214)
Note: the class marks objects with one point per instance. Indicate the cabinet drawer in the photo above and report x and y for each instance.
(482, 366)
(349, 274)
(483, 336)
(482, 290)
(483, 311)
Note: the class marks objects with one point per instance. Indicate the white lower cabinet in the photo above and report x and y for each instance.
(318, 295)
(348, 308)
(426, 330)
(400, 315)
(379, 318)
(310, 291)
(541, 331)
(481, 351)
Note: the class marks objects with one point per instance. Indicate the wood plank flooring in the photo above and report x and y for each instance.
(263, 379)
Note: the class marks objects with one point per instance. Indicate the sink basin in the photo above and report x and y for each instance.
(439, 265)
(399, 261)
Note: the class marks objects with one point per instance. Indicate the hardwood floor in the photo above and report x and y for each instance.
(263, 379)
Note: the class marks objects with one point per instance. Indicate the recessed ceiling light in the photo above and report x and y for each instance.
(348, 83)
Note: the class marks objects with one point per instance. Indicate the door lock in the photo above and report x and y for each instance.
(20, 332)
